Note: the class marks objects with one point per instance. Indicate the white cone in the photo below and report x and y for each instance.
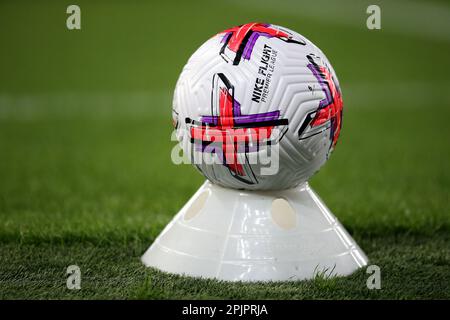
(238, 235)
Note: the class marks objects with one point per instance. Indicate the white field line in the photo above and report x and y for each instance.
(424, 19)
(94, 105)
(397, 95)
(139, 104)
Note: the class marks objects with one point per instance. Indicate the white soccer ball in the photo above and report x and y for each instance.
(258, 107)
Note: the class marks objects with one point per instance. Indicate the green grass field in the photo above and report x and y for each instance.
(85, 123)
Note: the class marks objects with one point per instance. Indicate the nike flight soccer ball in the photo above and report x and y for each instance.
(258, 107)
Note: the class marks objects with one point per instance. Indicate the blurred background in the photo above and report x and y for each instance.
(85, 121)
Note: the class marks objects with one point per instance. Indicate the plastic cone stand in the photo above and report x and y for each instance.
(238, 235)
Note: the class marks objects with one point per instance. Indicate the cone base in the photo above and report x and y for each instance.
(236, 235)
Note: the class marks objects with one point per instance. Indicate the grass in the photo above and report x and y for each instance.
(85, 170)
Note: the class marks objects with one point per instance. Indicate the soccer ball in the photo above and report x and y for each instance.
(258, 107)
